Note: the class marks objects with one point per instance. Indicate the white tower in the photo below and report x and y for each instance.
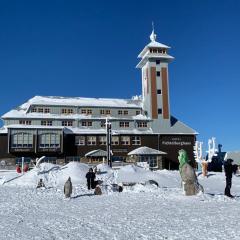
(155, 86)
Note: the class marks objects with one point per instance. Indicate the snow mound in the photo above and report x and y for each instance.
(132, 173)
(77, 171)
(53, 175)
(103, 168)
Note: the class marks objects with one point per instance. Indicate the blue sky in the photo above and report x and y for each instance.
(90, 48)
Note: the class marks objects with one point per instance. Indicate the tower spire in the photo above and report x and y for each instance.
(153, 36)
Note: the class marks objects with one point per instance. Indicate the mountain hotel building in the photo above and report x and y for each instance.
(65, 128)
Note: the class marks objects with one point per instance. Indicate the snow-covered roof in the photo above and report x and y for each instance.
(75, 130)
(175, 127)
(21, 126)
(82, 102)
(235, 155)
(96, 153)
(146, 151)
(3, 130)
(22, 114)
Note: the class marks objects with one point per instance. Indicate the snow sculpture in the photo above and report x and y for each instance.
(212, 151)
(190, 182)
(199, 157)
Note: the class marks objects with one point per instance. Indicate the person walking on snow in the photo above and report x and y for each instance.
(90, 179)
(229, 169)
(68, 188)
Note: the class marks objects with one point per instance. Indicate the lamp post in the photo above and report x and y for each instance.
(109, 142)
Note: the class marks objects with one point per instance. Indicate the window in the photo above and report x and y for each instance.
(40, 110)
(67, 123)
(125, 112)
(22, 140)
(124, 124)
(67, 111)
(34, 109)
(46, 110)
(164, 51)
(125, 140)
(158, 73)
(25, 122)
(157, 62)
(102, 140)
(46, 123)
(159, 91)
(136, 140)
(120, 112)
(86, 111)
(105, 112)
(115, 140)
(151, 160)
(159, 111)
(80, 140)
(89, 111)
(91, 140)
(138, 112)
(103, 124)
(142, 124)
(49, 140)
(86, 124)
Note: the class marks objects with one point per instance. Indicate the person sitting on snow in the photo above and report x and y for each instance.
(40, 183)
(91, 179)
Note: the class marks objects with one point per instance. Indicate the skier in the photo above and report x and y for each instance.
(90, 179)
(229, 170)
(68, 188)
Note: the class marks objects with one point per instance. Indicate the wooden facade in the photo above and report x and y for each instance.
(170, 144)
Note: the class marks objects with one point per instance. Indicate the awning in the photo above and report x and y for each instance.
(96, 153)
(146, 151)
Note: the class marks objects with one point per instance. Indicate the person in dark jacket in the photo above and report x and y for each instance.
(229, 170)
(90, 179)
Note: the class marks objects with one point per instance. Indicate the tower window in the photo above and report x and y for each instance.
(157, 62)
(159, 91)
(159, 111)
(158, 73)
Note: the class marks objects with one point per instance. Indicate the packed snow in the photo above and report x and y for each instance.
(141, 211)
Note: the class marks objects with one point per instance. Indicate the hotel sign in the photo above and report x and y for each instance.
(176, 141)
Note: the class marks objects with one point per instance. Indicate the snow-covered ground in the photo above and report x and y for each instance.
(139, 212)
